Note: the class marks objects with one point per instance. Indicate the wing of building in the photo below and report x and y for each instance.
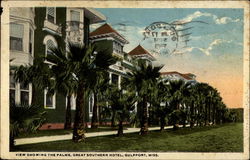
(105, 37)
(174, 75)
(33, 32)
(140, 53)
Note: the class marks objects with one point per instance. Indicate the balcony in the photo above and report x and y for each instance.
(52, 28)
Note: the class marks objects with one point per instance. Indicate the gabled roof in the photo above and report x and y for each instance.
(188, 76)
(139, 50)
(106, 31)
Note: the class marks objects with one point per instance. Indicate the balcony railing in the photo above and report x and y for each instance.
(51, 27)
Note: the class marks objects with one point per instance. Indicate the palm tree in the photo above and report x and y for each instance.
(111, 108)
(201, 101)
(24, 118)
(176, 97)
(82, 63)
(144, 78)
(99, 86)
(39, 75)
(215, 100)
(65, 81)
(160, 96)
(123, 103)
(192, 99)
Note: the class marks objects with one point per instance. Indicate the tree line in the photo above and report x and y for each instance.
(82, 70)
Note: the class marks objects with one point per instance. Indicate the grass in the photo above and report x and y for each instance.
(221, 138)
(52, 132)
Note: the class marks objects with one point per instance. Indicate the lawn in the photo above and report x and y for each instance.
(220, 138)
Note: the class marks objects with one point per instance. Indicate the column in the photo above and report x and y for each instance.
(110, 78)
(119, 82)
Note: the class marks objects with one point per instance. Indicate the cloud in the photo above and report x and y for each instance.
(206, 51)
(225, 20)
(195, 15)
(217, 20)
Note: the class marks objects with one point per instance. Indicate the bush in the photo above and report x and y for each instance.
(24, 118)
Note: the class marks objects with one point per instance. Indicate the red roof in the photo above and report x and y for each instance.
(187, 76)
(139, 50)
(105, 29)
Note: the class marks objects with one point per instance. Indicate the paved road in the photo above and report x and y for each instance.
(33, 140)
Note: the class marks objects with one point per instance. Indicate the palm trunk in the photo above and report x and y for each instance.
(99, 115)
(113, 118)
(209, 112)
(200, 115)
(33, 97)
(184, 122)
(12, 142)
(144, 120)
(120, 129)
(220, 117)
(176, 122)
(162, 119)
(192, 116)
(79, 124)
(206, 115)
(213, 114)
(94, 122)
(67, 124)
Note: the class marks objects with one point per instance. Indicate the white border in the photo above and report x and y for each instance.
(122, 4)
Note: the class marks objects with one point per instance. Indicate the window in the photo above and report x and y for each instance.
(24, 92)
(16, 37)
(118, 48)
(51, 14)
(19, 93)
(91, 103)
(50, 45)
(75, 20)
(12, 90)
(49, 100)
(114, 79)
(30, 41)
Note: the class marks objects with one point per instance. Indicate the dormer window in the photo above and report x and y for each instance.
(51, 14)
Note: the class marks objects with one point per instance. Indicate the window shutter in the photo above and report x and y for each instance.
(51, 11)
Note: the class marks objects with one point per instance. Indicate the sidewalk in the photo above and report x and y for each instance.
(33, 140)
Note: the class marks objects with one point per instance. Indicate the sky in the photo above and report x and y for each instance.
(205, 42)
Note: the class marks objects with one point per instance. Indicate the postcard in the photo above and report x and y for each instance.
(125, 79)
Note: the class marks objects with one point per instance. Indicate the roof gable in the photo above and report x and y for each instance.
(139, 50)
(108, 31)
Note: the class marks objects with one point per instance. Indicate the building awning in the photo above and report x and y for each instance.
(94, 16)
